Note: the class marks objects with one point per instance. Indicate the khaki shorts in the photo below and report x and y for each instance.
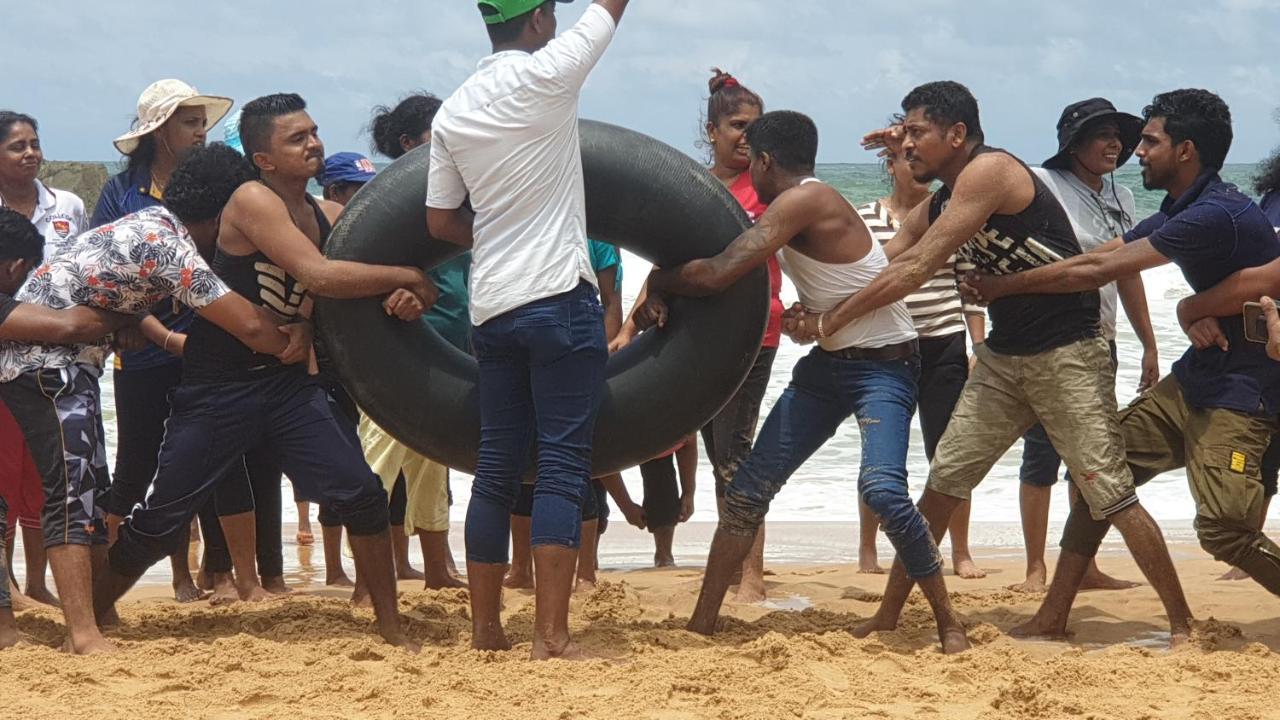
(1068, 390)
(426, 482)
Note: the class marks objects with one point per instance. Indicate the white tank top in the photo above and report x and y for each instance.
(822, 286)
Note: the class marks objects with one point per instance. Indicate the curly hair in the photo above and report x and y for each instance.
(946, 103)
(1196, 115)
(205, 181)
(19, 239)
(411, 117)
(9, 118)
(1268, 177)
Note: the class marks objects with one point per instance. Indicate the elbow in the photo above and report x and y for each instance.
(436, 226)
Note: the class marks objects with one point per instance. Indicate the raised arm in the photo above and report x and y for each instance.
(1226, 298)
(261, 217)
(72, 326)
(787, 217)
(615, 8)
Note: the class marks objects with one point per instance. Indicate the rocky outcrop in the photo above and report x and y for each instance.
(82, 178)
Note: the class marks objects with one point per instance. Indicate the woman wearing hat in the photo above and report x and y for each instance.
(1094, 139)
(172, 119)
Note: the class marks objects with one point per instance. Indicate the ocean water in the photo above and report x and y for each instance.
(824, 489)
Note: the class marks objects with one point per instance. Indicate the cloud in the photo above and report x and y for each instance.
(846, 64)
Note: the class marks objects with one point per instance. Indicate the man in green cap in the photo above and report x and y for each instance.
(508, 140)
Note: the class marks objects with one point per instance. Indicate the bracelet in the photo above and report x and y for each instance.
(822, 333)
(168, 337)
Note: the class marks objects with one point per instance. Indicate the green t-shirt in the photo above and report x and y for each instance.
(450, 316)
(605, 256)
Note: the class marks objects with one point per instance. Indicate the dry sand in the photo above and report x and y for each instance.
(311, 656)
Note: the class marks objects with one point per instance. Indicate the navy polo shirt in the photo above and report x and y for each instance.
(1210, 233)
(124, 194)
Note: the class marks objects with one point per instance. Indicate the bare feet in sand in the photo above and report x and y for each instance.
(1036, 582)
(19, 601)
(185, 590)
(1235, 573)
(518, 581)
(108, 619)
(664, 560)
(584, 587)
(874, 625)
(966, 568)
(275, 585)
(8, 629)
(43, 596)
(953, 641)
(494, 640)
(407, 572)
(360, 599)
(95, 645)
(1095, 579)
(869, 563)
(750, 593)
(338, 579)
(1037, 629)
(442, 580)
(224, 589)
(563, 649)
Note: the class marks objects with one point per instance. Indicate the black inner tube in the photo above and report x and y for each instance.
(641, 195)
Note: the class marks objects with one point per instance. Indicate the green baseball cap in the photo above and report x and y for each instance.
(500, 11)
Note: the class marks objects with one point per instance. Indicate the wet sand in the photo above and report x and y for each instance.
(312, 656)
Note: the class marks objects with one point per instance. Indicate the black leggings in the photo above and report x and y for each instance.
(595, 504)
(661, 493)
(142, 407)
(254, 486)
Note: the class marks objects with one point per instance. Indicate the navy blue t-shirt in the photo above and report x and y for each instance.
(1270, 204)
(1210, 233)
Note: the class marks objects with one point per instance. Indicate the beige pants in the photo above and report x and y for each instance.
(1069, 391)
(426, 482)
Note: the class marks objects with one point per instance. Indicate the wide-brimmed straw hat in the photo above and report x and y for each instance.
(160, 101)
(1077, 116)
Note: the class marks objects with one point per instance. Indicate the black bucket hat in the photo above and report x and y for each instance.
(1077, 116)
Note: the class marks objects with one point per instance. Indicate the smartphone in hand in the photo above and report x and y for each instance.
(1255, 323)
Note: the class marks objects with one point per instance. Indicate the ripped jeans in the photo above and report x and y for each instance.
(824, 391)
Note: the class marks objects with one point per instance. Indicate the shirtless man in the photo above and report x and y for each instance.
(52, 390)
(233, 400)
(867, 369)
(1043, 357)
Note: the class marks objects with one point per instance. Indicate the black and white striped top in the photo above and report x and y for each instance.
(936, 308)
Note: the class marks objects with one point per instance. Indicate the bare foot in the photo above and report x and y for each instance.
(224, 590)
(874, 625)
(1037, 576)
(305, 538)
(1235, 573)
(954, 641)
(43, 596)
(442, 580)
(393, 633)
(869, 563)
(185, 591)
(275, 585)
(96, 645)
(19, 601)
(584, 587)
(750, 591)
(495, 640)
(339, 579)
(967, 569)
(204, 579)
(1095, 579)
(361, 599)
(664, 561)
(518, 581)
(253, 593)
(108, 619)
(565, 649)
(8, 635)
(1037, 629)
(408, 573)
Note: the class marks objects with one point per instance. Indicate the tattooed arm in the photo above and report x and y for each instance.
(787, 217)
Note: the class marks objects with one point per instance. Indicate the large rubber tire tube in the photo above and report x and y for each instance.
(641, 195)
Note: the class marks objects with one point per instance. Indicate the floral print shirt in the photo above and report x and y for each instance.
(126, 267)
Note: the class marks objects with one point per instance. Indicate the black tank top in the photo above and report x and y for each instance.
(213, 355)
(1039, 235)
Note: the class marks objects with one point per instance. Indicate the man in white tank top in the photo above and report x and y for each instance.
(867, 369)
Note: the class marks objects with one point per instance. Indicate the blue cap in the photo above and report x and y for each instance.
(347, 167)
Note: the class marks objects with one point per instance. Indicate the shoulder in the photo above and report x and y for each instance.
(994, 167)
(253, 195)
(331, 209)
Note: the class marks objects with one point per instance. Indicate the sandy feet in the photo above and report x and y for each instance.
(869, 563)
(1095, 579)
(276, 586)
(185, 591)
(967, 569)
(516, 580)
(1234, 574)
(338, 579)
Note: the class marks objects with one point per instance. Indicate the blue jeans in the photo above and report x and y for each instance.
(824, 391)
(541, 379)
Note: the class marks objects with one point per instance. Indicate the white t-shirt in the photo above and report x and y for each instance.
(59, 214)
(509, 138)
(1097, 218)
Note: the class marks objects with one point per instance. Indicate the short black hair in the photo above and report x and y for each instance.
(946, 103)
(257, 119)
(9, 118)
(19, 239)
(509, 31)
(789, 137)
(203, 184)
(334, 189)
(412, 116)
(1196, 115)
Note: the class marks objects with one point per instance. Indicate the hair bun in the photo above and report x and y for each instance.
(721, 80)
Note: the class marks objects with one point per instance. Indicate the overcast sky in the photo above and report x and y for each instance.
(78, 66)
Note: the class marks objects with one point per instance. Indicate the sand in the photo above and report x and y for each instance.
(312, 656)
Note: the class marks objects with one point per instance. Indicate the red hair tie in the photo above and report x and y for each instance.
(729, 82)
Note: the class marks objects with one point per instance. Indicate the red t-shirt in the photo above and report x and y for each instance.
(745, 193)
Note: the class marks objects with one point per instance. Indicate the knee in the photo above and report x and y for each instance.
(885, 492)
(1227, 541)
(366, 514)
(743, 512)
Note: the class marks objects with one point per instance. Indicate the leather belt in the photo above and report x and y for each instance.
(900, 351)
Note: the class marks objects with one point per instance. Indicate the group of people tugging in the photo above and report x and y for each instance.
(200, 264)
